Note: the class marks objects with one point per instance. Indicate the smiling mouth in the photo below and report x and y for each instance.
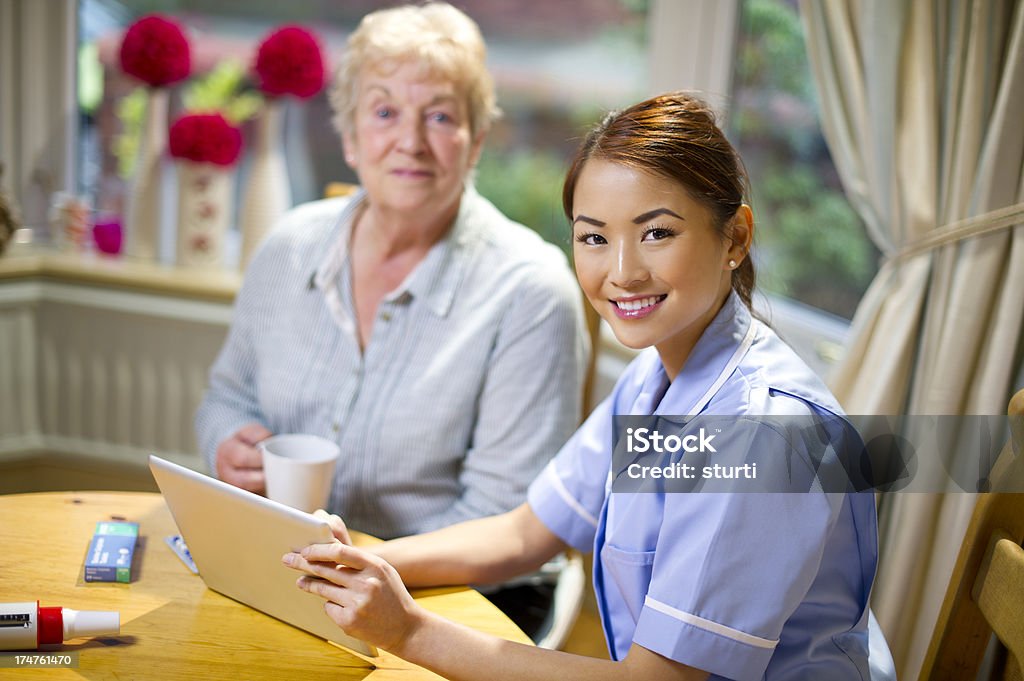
(637, 307)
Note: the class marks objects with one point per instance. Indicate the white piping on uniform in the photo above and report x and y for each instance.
(741, 350)
(708, 625)
(568, 498)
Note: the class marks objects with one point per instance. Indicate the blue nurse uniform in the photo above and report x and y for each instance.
(746, 586)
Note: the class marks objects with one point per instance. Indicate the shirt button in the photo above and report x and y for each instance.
(386, 316)
(335, 427)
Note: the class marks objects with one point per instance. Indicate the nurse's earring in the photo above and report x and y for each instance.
(732, 264)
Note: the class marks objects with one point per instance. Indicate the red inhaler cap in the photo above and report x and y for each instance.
(51, 625)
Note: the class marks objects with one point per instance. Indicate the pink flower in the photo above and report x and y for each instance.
(290, 62)
(156, 51)
(205, 138)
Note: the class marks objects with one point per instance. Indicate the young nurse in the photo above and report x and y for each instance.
(689, 585)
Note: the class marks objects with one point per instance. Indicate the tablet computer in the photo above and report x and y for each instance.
(237, 538)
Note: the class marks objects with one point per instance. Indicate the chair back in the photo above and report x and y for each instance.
(986, 591)
(336, 189)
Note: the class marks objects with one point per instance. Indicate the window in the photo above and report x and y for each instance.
(813, 247)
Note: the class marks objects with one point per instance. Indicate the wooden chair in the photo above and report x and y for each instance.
(336, 189)
(986, 591)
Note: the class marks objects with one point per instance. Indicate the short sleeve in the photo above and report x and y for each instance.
(729, 570)
(568, 494)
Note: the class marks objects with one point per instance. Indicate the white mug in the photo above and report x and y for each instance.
(299, 469)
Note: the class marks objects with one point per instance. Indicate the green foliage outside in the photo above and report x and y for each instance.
(90, 78)
(130, 111)
(526, 185)
(811, 244)
(525, 182)
(223, 90)
(524, 178)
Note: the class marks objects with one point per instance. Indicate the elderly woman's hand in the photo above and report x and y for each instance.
(365, 595)
(239, 462)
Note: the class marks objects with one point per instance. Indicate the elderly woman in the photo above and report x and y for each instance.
(436, 341)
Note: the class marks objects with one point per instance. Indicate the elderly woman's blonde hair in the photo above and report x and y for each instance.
(445, 41)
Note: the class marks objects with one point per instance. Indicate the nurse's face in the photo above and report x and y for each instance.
(648, 258)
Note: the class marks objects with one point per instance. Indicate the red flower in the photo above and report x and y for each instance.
(156, 51)
(201, 243)
(205, 138)
(289, 62)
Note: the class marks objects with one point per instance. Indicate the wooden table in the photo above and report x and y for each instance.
(172, 626)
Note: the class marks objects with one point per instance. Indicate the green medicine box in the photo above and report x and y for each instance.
(110, 552)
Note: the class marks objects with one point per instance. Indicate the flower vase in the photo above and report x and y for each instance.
(204, 213)
(267, 193)
(144, 219)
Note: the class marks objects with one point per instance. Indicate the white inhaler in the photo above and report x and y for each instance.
(26, 626)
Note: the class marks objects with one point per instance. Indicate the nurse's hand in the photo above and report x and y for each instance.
(336, 524)
(239, 463)
(364, 594)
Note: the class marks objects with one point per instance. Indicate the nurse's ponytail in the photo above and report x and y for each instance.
(675, 136)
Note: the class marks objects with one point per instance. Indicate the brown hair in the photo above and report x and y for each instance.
(675, 136)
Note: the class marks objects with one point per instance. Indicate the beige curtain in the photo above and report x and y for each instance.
(923, 110)
(38, 102)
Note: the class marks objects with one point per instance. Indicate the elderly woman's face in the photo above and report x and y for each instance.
(411, 145)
